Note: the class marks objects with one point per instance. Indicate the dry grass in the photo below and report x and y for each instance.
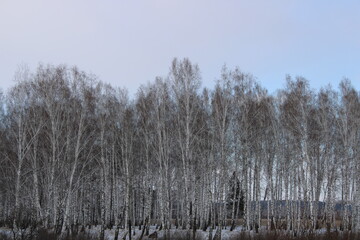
(274, 236)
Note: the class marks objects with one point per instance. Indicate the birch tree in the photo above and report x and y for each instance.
(185, 78)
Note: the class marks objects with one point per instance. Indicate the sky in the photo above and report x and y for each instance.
(129, 43)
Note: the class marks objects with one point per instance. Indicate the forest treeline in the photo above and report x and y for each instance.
(75, 151)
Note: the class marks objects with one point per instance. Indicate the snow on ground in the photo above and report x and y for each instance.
(174, 233)
(109, 234)
(202, 235)
(5, 231)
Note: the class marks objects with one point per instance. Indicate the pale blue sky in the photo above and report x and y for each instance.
(128, 43)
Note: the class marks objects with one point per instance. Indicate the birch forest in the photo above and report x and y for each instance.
(76, 152)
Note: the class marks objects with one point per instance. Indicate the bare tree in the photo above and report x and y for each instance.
(185, 78)
(75, 151)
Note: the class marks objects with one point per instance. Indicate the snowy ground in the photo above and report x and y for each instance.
(174, 233)
(109, 234)
(201, 235)
(5, 232)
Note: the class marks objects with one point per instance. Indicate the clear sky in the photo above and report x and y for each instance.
(128, 43)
